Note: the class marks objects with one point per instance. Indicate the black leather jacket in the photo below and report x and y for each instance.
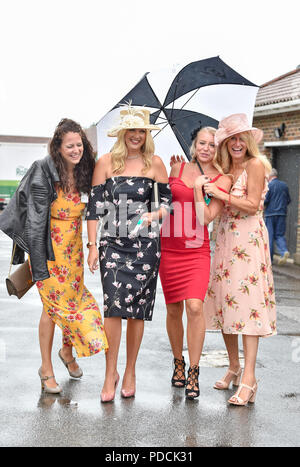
(26, 219)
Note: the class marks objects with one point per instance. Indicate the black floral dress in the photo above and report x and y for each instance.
(129, 258)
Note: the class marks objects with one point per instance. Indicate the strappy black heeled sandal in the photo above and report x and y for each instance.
(178, 379)
(193, 381)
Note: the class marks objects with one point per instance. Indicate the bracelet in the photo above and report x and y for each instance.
(90, 244)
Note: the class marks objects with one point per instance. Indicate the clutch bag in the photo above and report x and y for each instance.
(20, 281)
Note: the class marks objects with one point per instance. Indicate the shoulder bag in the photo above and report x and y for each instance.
(20, 281)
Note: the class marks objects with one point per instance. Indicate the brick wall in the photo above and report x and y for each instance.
(297, 255)
(270, 122)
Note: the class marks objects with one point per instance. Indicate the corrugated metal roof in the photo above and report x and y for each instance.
(282, 89)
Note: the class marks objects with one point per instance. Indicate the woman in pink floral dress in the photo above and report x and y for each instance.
(240, 297)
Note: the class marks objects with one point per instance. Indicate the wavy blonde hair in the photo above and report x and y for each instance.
(223, 158)
(212, 131)
(119, 152)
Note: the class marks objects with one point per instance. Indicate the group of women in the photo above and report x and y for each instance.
(235, 294)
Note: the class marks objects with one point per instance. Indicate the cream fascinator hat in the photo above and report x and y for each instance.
(234, 124)
(133, 118)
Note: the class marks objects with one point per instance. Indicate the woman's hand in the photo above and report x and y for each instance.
(93, 259)
(149, 217)
(212, 190)
(175, 159)
(201, 180)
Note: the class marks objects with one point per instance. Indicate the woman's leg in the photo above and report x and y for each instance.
(113, 330)
(196, 327)
(232, 347)
(46, 334)
(135, 332)
(176, 333)
(250, 344)
(175, 328)
(67, 353)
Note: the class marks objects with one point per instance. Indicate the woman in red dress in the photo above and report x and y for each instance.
(185, 260)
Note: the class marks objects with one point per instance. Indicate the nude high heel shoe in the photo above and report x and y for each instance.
(235, 377)
(237, 400)
(127, 394)
(109, 397)
(46, 388)
(74, 374)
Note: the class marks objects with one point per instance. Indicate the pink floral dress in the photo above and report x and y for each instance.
(240, 297)
(64, 295)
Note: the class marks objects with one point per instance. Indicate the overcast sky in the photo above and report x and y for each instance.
(78, 58)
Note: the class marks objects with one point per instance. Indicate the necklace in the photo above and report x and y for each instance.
(133, 157)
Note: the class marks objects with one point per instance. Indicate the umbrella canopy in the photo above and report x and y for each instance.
(180, 100)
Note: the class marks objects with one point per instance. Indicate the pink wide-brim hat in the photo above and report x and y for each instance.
(234, 124)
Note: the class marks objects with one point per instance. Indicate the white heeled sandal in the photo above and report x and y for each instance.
(238, 400)
(235, 377)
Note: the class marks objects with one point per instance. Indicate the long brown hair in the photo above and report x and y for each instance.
(83, 171)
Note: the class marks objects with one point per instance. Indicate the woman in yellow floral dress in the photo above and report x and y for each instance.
(66, 300)
(64, 295)
(44, 219)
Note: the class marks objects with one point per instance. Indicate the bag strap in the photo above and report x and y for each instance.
(12, 258)
(199, 166)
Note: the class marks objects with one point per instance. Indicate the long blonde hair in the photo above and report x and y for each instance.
(119, 152)
(212, 131)
(223, 158)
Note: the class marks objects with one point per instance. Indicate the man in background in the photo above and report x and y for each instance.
(276, 203)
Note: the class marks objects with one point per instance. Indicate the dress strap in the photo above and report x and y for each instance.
(216, 178)
(181, 169)
(222, 189)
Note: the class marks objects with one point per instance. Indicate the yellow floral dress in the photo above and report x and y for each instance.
(64, 295)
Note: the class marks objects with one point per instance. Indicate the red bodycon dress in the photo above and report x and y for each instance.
(185, 252)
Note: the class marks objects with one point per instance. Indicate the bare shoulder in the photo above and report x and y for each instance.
(102, 169)
(255, 165)
(157, 161)
(159, 169)
(225, 182)
(104, 159)
(103, 163)
(255, 171)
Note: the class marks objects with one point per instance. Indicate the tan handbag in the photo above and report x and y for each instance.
(20, 281)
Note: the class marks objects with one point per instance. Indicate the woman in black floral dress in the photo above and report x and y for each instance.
(129, 250)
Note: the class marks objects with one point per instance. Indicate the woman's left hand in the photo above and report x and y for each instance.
(212, 190)
(149, 217)
(176, 159)
(200, 181)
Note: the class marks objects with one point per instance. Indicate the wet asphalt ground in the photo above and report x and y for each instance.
(159, 416)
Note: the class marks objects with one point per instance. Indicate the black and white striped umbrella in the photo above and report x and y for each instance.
(180, 100)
